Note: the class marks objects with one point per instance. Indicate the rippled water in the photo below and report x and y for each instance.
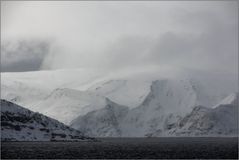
(213, 148)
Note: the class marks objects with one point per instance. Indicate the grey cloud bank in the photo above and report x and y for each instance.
(117, 35)
(24, 55)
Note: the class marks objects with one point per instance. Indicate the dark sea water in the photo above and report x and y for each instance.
(123, 148)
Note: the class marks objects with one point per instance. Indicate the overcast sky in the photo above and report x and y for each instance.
(38, 35)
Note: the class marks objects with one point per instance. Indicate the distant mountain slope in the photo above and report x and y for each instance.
(126, 87)
(130, 88)
(152, 118)
(20, 124)
(231, 99)
(166, 97)
(19, 92)
(28, 88)
(221, 120)
(104, 122)
(157, 98)
(67, 104)
(166, 102)
(120, 90)
(211, 122)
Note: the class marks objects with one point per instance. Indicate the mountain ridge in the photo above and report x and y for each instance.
(21, 124)
(156, 100)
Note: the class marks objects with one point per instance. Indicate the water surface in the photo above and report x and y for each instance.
(152, 148)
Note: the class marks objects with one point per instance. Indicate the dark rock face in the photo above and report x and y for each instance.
(219, 121)
(20, 124)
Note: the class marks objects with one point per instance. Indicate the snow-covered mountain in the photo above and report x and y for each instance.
(126, 88)
(168, 102)
(156, 99)
(119, 90)
(159, 104)
(20, 124)
(203, 121)
(231, 99)
(104, 122)
(29, 88)
(210, 88)
(20, 92)
(67, 104)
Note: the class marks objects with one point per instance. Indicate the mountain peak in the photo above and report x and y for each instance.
(230, 99)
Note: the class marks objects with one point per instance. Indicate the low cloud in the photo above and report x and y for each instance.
(118, 35)
(23, 55)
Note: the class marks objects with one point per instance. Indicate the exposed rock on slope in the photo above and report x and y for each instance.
(203, 121)
(157, 99)
(168, 110)
(20, 124)
(166, 102)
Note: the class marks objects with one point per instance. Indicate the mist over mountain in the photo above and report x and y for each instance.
(45, 36)
(23, 55)
(124, 69)
(152, 102)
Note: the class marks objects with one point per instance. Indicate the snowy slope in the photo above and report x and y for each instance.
(204, 121)
(231, 99)
(167, 102)
(22, 93)
(20, 124)
(28, 88)
(128, 87)
(166, 98)
(209, 88)
(104, 122)
(119, 91)
(67, 104)
(157, 99)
